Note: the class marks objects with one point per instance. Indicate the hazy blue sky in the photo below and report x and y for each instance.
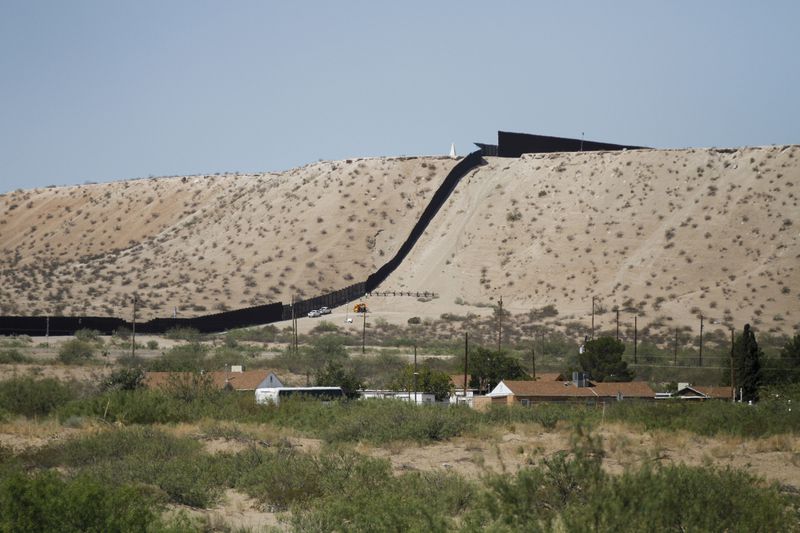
(104, 90)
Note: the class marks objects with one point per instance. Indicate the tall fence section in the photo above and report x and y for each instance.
(250, 316)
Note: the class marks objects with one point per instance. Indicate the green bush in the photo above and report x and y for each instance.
(12, 355)
(183, 334)
(35, 397)
(75, 351)
(262, 334)
(773, 415)
(571, 492)
(381, 421)
(682, 498)
(117, 457)
(45, 502)
(87, 335)
(417, 501)
(125, 379)
(547, 414)
(184, 358)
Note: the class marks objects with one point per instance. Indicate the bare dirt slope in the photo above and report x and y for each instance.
(670, 233)
(207, 243)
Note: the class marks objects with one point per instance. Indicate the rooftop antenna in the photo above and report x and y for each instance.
(453, 151)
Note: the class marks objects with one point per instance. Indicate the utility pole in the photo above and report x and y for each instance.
(593, 317)
(617, 323)
(133, 333)
(415, 373)
(541, 341)
(466, 362)
(533, 361)
(635, 339)
(701, 340)
(364, 333)
(675, 362)
(500, 325)
(294, 328)
(733, 371)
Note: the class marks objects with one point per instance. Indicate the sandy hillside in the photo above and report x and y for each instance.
(671, 233)
(207, 243)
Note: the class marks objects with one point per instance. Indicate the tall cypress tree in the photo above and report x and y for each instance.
(750, 365)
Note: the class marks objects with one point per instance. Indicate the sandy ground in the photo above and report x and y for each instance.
(670, 233)
(199, 244)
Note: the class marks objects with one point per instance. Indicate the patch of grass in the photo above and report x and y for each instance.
(35, 397)
(12, 355)
(46, 502)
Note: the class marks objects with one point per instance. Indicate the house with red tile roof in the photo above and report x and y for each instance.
(582, 391)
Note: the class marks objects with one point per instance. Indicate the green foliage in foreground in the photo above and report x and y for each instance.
(573, 493)
(777, 413)
(45, 502)
(139, 455)
(381, 421)
(122, 478)
(34, 397)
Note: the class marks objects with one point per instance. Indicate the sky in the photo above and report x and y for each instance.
(94, 91)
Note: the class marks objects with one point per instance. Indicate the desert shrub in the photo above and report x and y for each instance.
(415, 320)
(125, 378)
(417, 501)
(570, 491)
(182, 333)
(721, 500)
(35, 397)
(184, 358)
(224, 357)
(131, 361)
(87, 335)
(325, 326)
(75, 351)
(152, 345)
(773, 415)
(546, 414)
(122, 333)
(262, 334)
(388, 420)
(45, 502)
(149, 406)
(12, 355)
(140, 406)
(176, 465)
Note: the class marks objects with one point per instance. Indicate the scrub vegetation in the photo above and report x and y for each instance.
(130, 464)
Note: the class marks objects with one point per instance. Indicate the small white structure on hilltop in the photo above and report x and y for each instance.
(453, 151)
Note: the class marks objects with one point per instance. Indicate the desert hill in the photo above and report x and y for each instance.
(207, 243)
(668, 233)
